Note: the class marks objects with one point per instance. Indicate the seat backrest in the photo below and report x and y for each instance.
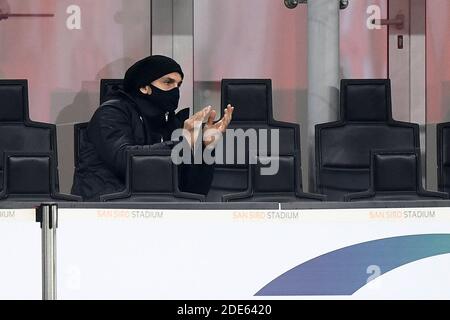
(152, 173)
(80, 136)
(276, 174)
(29, 174)
(396, 175)
(31, 177)
(274, 179)
(152, 177)
(107, 86)
(17, 132)
(253, 124)
(443, 156)
(251, 97)
(343, 147)
(367, 100)
(396, 171)
(14, 101)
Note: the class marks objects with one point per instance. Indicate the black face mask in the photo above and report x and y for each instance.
(166, 101)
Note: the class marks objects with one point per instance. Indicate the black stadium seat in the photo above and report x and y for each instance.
(31, 177)
(396, 175)
(79, 131)
(252, 100)
(17, 132)
(343, 147)
(443, 156)
(152, 177)
(284, 186)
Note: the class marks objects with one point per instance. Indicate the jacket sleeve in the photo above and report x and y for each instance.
(111, 132)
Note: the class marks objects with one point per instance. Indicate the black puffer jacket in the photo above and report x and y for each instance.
(117, 127)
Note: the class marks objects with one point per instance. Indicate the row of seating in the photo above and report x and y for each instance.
(365, 155)
(28, 150)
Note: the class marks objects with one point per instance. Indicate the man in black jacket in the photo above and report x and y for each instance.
(142, 117)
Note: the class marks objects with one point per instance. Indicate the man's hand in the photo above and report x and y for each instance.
(4, 9)
(214, 131)
(193, 125)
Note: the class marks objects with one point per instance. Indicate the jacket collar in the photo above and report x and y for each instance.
(140, 103)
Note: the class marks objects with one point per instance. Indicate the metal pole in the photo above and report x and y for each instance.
(48, 216)
(323, 70)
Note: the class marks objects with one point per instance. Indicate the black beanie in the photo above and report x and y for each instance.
(147, 70)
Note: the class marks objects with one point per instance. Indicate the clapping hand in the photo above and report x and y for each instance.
(212, 131)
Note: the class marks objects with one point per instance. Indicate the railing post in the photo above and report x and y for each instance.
(323, 71)
(47, 215)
